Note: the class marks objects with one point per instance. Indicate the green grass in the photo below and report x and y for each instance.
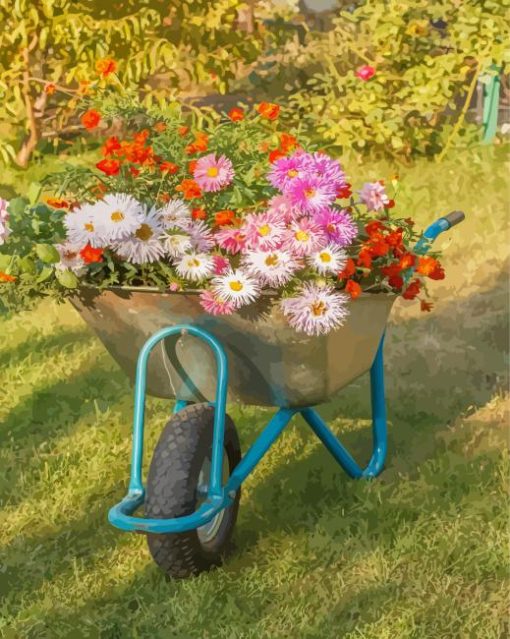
(421, 552)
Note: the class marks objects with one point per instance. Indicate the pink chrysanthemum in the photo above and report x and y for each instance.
(231, 240)
(339, 226)
(373, 195)
(286, 170)
(281, 207)
(215, 305)
(221, 264)
(212, 173)
(263, 231)
(304, 237)
(312, 194)
(315, 310)
(322, 166)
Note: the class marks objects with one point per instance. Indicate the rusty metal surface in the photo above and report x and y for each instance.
(269, 363)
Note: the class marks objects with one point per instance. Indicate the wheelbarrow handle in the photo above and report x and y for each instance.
(436, 228)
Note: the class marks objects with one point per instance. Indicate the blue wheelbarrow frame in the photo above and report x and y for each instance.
(219, 495)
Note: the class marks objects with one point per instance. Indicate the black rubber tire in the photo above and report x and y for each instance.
(171, 491)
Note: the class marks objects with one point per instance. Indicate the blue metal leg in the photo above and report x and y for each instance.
(339, 452)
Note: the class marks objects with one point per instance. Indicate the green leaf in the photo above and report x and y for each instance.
(34, 192)
(67, 278)
(17, 206)
(47, 253)
(27, 265)
(45, 274)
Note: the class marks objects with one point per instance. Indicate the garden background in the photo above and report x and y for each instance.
(420, 552)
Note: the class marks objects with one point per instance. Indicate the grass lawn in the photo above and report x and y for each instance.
(421, 552)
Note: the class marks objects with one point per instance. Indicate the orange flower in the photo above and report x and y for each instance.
(263, 147)
(50, 88)
(83, 87)
(111, 146)
(276, 155)
(406, 261)
(160, 127)
(183, 130)
(189, 189)
(105, 67)
(412, 290)
(353, 288)
(426, 306)
(192, 165)
(199, 145)
(91, 255)
(236, 114)
(287, 142)
(168, 167)
(57, 203)
(99, 190)
(374, 227)
(165, 197)
(109, 167)
(426, 265)
(364, 258)
(224, 218)
(348, 270)
(268, 110)
(134, 171)
(198, 214)
(90, 119)
(5, 277)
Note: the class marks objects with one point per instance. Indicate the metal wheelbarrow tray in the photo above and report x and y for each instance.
(171, 348)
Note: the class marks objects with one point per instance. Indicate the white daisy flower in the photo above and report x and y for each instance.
(176, 213)
(315, 309)
(236, 286)
(143, 245)
(177, 245)
(330, 259)
(118, 216)
(200, 235)
(83, 227)
(70, 258)
(271, 268)
(195, 266)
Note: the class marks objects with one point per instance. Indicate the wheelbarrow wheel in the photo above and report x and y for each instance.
(177, 485)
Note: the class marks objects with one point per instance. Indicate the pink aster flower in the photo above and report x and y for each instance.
(324, 167)
(373, 195)
(214, 305)
(339, 226)
(315, 310)
(365, 72)
(304, 237)
(213, 174)
(200, 236)
(281, 207)
(231, 240)
(312, 194)
(4, 216)
(263, 231)
(221, 264)
(285, 170)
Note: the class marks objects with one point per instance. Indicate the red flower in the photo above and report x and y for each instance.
(236, 114)
(437, 273)
(426, 306)
(276, 154)
(57, 203)
(287, 142)
(374, 227)
(225, 218)
(90, 119)
(192, 165)
(390, 204)
(268, 110)
(50, 88)
(344, 192)
(183, 130)
(168, 167)
(394, 238)
(160, 127)
(198, 214)
(91, 255)
(5, 277)
(111, 146)
(406, 261)
(396, 281)
(108, 166)
(427, 266)
(105, 67)
(364, 258)
(365, 72)
(412, 290)
(378, 248)
(189, 189)
(134, 171)
(353, 288)
(348, 270)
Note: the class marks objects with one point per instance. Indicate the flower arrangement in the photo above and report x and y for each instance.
(232, 205)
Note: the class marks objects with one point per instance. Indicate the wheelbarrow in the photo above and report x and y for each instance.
(191, 498)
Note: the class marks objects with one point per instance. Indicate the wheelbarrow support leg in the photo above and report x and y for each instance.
(379, 434)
